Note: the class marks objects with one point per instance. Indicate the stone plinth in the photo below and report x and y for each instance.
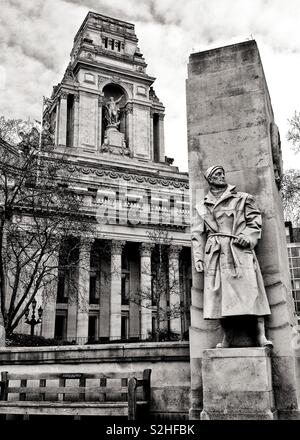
(113, 136)
(237, 384)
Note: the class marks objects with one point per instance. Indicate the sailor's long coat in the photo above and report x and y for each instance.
(233, 283)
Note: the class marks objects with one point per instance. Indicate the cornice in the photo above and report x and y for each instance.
(147, 178)
(108, 69)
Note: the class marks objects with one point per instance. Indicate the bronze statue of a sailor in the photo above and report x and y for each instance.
(225, 230)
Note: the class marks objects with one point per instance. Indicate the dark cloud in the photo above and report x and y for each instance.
(36, 38)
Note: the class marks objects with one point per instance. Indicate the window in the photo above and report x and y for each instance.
(124, 325)
(94, 291)
(93, 327)
(125, 289)
(156, 139)
(60, 331)
(70, 120)
(62, 292)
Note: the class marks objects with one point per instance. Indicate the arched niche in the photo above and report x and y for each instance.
(116, 92)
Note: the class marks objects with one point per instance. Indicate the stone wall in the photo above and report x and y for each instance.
(169, 361)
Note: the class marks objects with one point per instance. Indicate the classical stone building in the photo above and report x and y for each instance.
(109, 124)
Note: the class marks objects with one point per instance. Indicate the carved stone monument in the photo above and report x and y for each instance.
(230, 117)
(114, 140)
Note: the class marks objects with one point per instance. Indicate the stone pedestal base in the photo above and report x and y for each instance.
(237, 384)
(114, 142)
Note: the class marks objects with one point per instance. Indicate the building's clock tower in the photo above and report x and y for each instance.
(105, 102)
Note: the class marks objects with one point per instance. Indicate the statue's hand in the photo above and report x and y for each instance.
(199, 266)
(242, 241)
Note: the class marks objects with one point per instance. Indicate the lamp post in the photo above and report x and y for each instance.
(33, 321)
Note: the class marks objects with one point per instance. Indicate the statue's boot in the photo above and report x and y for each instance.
(261, 335)
(227, 339)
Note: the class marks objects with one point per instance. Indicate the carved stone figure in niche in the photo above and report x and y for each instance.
(112, 111)
(225, 230)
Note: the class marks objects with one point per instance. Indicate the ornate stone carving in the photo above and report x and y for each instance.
(152, 95)
(63, 94)
(174, 251)
(115, 79)
(127, 85)
(129, 108)
(161, 116)
(112, 111)
(76, 97)
(100, 101)
(176, 183)
(276, 153)
(146, 249)
(101, 80)
(89, 55)
(117, 246)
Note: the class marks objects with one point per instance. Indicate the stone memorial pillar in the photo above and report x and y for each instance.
(145, 285)
(230, 122)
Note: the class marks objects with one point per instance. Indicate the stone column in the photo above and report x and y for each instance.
(62, 126)
(145, 288)
(161, 137)
(99, 132)
(76, 121)
(129, 125)
(57, 120)
(115, 289)
(72, 304)
(151, 134)
(83, 290)
(49, 300)
(174, 289)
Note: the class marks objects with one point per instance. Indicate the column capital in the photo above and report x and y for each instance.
(76, 97)
(100, 101)
(174, 251)
(117, 246)
(146, 249)
(86, 242)
(63, 94)
(129, 108)
(161, 116)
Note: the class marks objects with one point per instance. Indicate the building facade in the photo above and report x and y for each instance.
(109, 124)
(293, 244)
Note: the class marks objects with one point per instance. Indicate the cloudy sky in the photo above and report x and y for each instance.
(36, 38)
